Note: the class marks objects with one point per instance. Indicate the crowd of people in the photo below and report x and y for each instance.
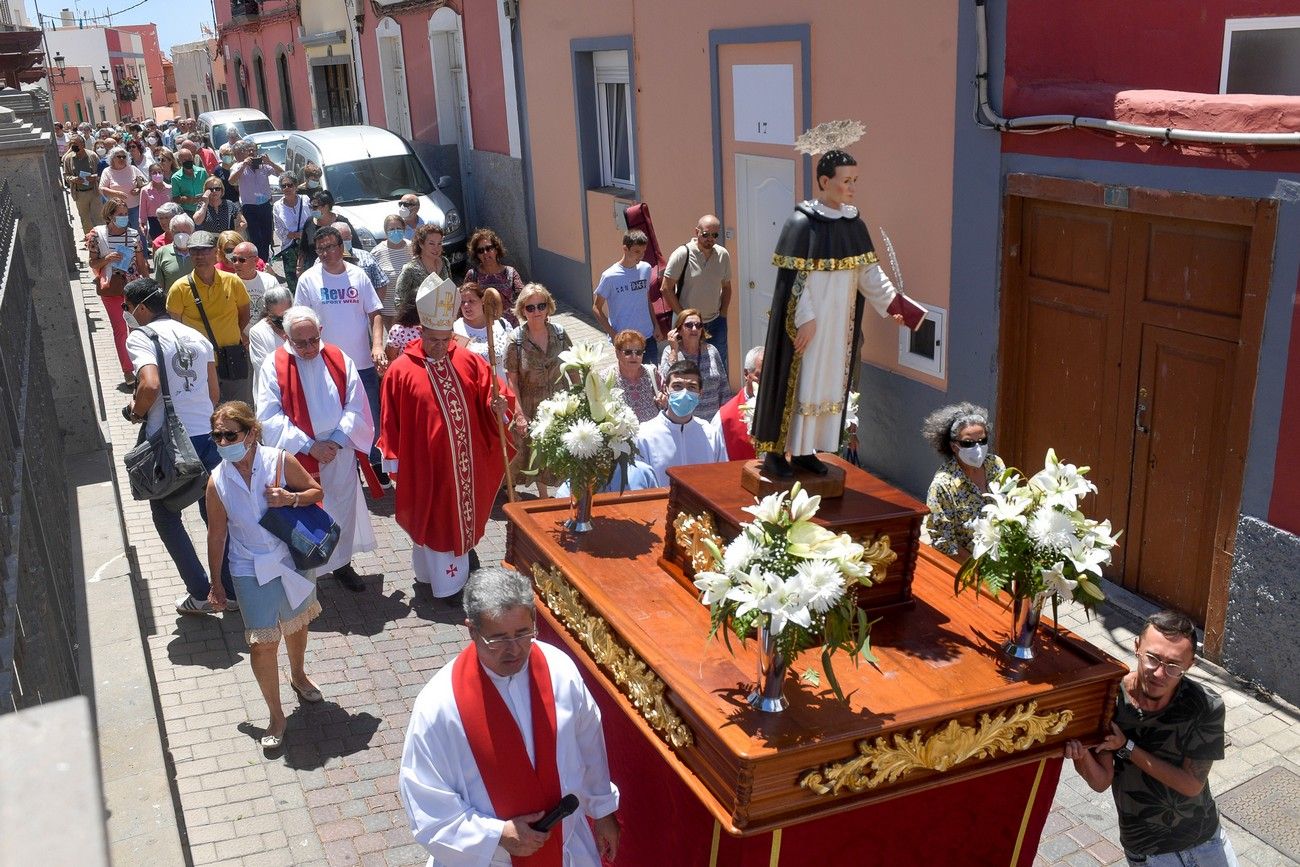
(362, 371)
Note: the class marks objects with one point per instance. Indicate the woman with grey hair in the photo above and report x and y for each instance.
(960, 434)
(265, 337)
(123, 182)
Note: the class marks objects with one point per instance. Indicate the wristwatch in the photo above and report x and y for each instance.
(1125, 752)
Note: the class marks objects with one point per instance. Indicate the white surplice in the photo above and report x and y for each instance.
(829, 297)
(443, 571)
(444, 794)
(663, 443)
(351, 419)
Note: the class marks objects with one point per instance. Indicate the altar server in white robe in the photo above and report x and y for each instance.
(675, 436)
(499, 736)
(311, 403)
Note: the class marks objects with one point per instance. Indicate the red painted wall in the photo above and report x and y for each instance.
(487, 97)
(153, 59)
(268, 37)
(1097, 59)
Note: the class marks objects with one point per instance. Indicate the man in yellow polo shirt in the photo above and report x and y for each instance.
(225, 306)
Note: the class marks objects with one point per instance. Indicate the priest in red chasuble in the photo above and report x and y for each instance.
(499, 736)
(440, 439)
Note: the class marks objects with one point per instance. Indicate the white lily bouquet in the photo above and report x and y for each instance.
(794, 579)
(584, 431)
(1032, 540)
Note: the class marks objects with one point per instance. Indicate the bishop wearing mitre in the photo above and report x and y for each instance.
(441, 441)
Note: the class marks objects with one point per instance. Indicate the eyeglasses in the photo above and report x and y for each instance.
(535, 308)
(631, 353)
(712, 235)
(325, 248)
(239, 260)
(305, 344)
(515, 640)
(970, 444)
(482, 250)
(286, 186)
(1153, 662)
(693, 326)
(227, 436)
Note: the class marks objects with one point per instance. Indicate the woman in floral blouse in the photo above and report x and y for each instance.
(960, 434)
(533, 363)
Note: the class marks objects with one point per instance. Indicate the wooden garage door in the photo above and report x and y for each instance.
(1130, 339)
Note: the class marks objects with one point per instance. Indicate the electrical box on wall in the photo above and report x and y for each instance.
(926, 348)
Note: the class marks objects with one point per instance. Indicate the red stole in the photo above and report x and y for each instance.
(294, 402)
(735, 433)
(515, 786)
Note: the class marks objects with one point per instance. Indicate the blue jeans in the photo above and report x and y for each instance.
(260, 228)
(370, 379)
(1214, 852)
(651, 351)
(718, 339)
(170, 527)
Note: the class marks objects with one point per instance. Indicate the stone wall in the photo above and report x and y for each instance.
(1263, 607)
(38, 612)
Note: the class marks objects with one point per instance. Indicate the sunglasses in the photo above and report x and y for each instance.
(713, 235)
(229, 250)
(239, 260)
(286, 186)
(693, 326)
(631, 353)
(970, 444)
(227, 436)
(535, 308)
(482, 250)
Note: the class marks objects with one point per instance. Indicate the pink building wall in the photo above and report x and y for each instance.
(483, 67)
(891, 65)
(271, 34)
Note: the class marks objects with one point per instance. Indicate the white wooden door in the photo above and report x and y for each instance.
(764, 197)
(396, 106)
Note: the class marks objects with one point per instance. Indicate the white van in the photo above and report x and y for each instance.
(213, 124)
(368, 169)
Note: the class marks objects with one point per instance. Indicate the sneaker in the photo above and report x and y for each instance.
(187, 604)
(232, 604)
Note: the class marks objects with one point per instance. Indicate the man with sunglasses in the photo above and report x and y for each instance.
(698, 275)
(1167, 732)
(190, 364)
(499, 736)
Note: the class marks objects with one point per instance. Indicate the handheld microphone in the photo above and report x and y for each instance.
(567, 805)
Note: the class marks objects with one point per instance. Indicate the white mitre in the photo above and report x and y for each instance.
(437, 301)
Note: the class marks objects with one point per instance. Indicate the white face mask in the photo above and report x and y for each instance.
(973, 456)
(404, 212)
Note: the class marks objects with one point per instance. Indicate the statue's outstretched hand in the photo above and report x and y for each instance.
(804, 336)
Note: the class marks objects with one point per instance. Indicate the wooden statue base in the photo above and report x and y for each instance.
(827, 486)
(867, 508)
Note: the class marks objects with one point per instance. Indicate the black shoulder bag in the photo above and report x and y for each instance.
(232, 361)
(165, 466)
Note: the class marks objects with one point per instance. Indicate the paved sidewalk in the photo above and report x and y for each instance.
(331, 797)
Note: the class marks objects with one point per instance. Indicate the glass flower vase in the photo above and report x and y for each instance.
(580, 507)
(772, 667)
(1026, 611)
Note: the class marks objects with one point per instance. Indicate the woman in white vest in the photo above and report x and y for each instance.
(275, 599)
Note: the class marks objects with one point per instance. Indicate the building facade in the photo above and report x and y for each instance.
(119, 50)
(200, 83)
(154, 83)
(1145, 292)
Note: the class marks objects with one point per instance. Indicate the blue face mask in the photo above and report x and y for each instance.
(315, 213)
(396, 236)
(682, 403)
(122, 220)
(233, 452)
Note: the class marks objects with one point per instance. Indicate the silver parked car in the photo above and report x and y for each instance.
(368, 170)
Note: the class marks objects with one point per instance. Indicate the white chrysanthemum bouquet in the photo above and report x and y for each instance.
(583, 431)
(1032, 541)
(794, 578)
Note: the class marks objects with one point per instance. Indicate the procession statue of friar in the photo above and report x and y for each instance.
(827, 268)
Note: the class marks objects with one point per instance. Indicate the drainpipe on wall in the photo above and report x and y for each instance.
(986, 115)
